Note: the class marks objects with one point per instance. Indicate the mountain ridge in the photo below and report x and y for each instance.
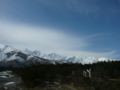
(9, 54)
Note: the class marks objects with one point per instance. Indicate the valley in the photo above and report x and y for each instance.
(38, 71)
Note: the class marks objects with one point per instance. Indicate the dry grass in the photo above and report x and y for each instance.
(47, 87)
(80, 87)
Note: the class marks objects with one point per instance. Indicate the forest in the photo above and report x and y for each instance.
(103, 75)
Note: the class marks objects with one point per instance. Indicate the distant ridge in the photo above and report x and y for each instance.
(10, 56)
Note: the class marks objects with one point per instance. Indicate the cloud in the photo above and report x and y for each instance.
(92, 54)
(82, 6)
(46, 40)
(38, 37)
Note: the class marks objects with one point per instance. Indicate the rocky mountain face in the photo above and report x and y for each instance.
(11, 57)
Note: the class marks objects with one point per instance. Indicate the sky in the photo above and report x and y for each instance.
(88, 28)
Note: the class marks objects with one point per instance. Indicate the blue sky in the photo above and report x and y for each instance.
(66, 27)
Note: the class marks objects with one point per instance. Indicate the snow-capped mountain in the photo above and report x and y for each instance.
(75, 59)
(54, 56)
(6, 49)
(51, 56)
(20, 59)
(10, 56)
(103, 59)
(2, 56)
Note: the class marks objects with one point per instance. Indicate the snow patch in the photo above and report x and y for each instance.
(3, 77)
(10, 83)
(13, 57)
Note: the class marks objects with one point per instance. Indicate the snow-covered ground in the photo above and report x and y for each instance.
(8, 81)
(3, 77)
(5, 73)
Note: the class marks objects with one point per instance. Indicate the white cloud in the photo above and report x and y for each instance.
(46, 40)
(38, 37)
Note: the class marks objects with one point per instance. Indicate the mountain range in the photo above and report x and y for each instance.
(12, 57)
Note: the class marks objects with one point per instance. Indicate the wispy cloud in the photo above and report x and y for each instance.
(80, 6)
(110, 55)
(38, 37)
(47, 40)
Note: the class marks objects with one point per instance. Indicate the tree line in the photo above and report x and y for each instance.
(70, 73)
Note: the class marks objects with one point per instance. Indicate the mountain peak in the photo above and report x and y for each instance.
(52, 56)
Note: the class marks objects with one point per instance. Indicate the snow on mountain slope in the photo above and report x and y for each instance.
(54, 56)
(103, 59)
(89, 60)
(37, 53)
(2, 56)
(74, 59)
(51, 56)
(9, 53)
(27, 51)
(6, 49)
(71, 59)
(15, 57)
(29, 57)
